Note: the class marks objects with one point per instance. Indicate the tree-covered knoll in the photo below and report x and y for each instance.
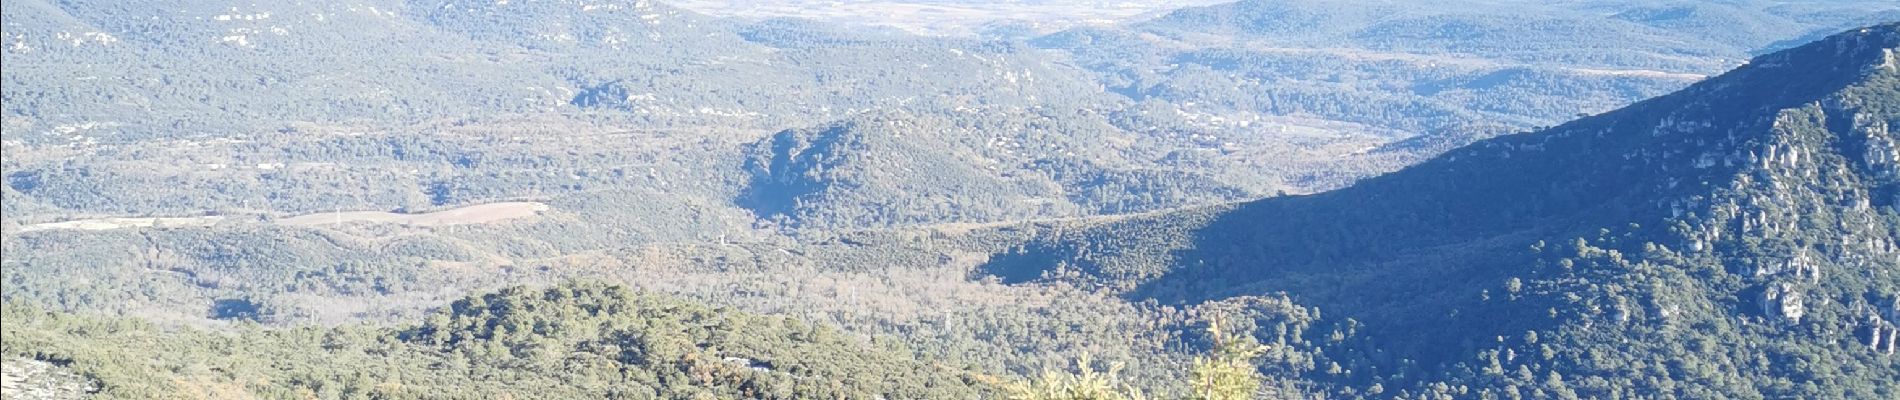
(978, 166)
(574, 340)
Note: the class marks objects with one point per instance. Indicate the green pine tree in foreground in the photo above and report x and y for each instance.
(1226, 373)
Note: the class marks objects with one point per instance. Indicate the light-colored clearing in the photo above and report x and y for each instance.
(1642, 73)
(100, 224)
(475, 214)
(943, 18)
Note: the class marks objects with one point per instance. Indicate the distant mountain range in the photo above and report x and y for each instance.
(1736, 239)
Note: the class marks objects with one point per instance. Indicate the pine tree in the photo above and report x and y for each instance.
(1228, 373)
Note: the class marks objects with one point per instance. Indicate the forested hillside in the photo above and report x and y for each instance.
(572, 341)
(1743, 229)
(983, 165)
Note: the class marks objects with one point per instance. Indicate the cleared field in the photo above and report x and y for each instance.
(939, 17)
(475, 214)
(100, 224)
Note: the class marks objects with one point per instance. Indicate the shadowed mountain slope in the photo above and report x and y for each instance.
(1754, 212)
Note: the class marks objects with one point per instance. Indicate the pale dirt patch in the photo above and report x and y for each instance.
(26, 378)
(1641, 73)
(100, 224)
(475, 214)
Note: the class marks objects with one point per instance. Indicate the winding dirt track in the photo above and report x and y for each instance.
(475, 214)
(100, 224)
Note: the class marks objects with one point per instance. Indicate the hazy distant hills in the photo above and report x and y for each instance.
(1437, 77)
(1744, 229)
(1203, 105)
(1223, 102)
(1427, 69)
(210, 67)
(160, 69)
(1670, 36)
(207, 68)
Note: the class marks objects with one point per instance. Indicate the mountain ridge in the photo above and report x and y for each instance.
(1764, 194)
